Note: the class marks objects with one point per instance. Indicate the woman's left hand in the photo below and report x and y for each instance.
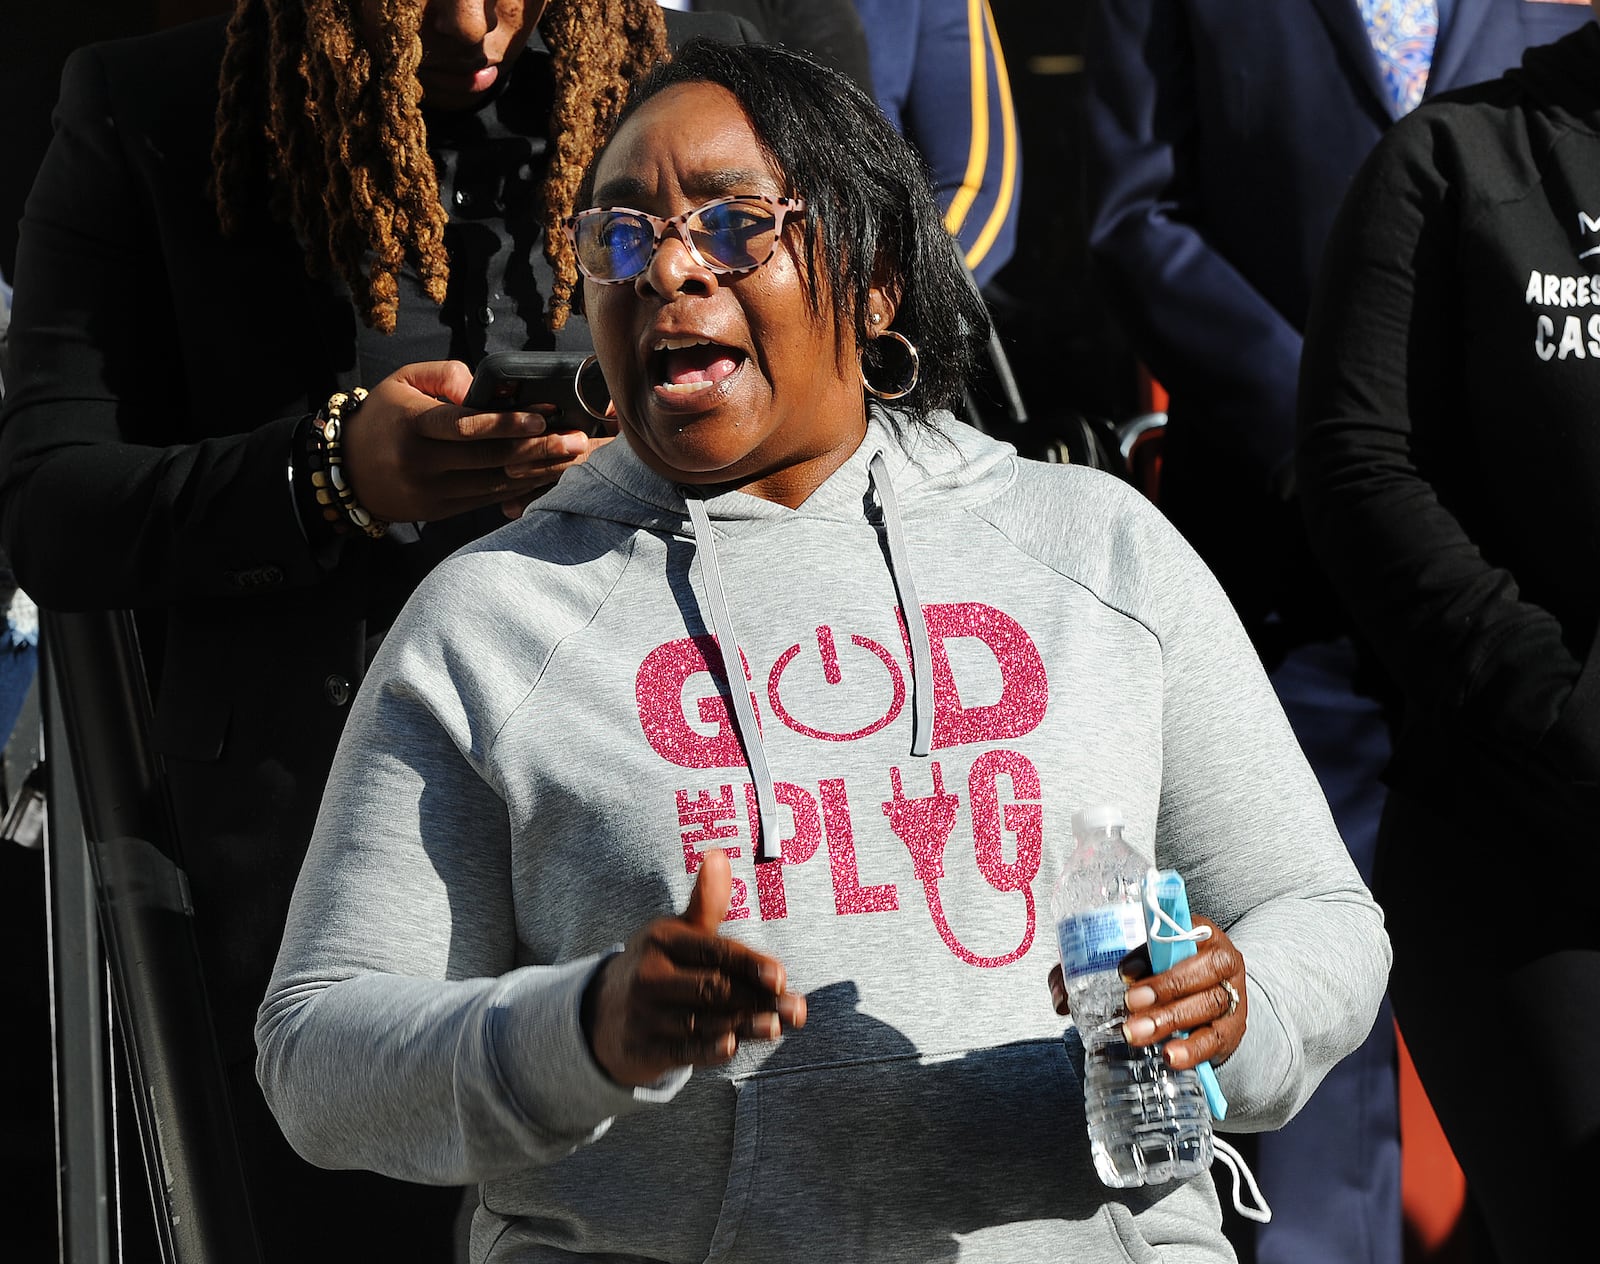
(1205, 995)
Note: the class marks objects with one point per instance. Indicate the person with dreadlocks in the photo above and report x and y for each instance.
(236, 222)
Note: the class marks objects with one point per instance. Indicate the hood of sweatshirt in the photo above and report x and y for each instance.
(1565, 77)
(896, 472)
(921, 462)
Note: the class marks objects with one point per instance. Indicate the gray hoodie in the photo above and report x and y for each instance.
(544, 749)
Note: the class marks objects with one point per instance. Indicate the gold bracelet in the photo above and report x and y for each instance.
(333, 488)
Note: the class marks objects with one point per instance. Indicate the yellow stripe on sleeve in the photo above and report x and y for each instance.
(1008, 165)
(956, 215)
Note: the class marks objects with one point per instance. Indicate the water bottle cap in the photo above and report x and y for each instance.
(1097, 816)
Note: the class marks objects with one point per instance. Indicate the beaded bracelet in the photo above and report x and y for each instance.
(333, 490)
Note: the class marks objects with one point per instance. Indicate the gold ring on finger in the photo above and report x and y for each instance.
(1233, 998)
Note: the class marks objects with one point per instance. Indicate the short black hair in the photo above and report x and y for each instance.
(876, 220)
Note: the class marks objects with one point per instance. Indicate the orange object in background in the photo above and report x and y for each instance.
(1433, 1189)
(1152, 395)
(1143, 453)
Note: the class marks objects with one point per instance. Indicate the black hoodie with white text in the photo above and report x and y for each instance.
(1449, 453)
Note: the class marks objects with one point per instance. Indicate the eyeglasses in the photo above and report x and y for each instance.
(728, 236)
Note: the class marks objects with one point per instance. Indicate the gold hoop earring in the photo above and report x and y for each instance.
(908, 379)
(589, 361)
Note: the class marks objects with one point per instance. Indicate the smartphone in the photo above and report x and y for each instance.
(509, 381)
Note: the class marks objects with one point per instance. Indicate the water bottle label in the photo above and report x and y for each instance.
(1097, 940)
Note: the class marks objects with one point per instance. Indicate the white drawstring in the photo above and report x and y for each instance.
(768, 845)
(1234, 1161)
(910, 607)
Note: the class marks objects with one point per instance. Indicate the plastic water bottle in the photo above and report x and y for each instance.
(1147, 1122)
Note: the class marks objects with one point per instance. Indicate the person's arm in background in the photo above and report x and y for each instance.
(91, 363)
(1484, 662)
(109, 495)
(947, 89)
(1204, 331)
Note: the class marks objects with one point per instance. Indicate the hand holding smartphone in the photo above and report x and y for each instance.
(513, 381)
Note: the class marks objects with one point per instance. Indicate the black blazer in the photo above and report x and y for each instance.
(156, 373)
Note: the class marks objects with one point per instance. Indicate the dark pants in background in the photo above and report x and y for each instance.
(1496, 985)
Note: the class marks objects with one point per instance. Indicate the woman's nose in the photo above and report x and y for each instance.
(462, 21)
(673, 270)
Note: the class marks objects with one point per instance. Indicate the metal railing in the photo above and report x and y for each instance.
(121, 927)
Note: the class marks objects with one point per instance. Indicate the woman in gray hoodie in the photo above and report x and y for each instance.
(841, 1047)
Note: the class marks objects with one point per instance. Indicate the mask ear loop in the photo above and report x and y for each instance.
(1160, 916)
(1234, 1162)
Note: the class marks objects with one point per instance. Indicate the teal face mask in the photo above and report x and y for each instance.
(1172, 937)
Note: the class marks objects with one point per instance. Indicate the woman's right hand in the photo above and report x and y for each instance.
(412, 458)
(681, 995)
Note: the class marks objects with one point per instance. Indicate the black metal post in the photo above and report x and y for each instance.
(77, 1010)
(202, 1209)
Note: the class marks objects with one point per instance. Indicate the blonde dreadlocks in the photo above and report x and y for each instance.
(330, 132)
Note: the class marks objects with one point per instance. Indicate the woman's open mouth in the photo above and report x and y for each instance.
(688, 371)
